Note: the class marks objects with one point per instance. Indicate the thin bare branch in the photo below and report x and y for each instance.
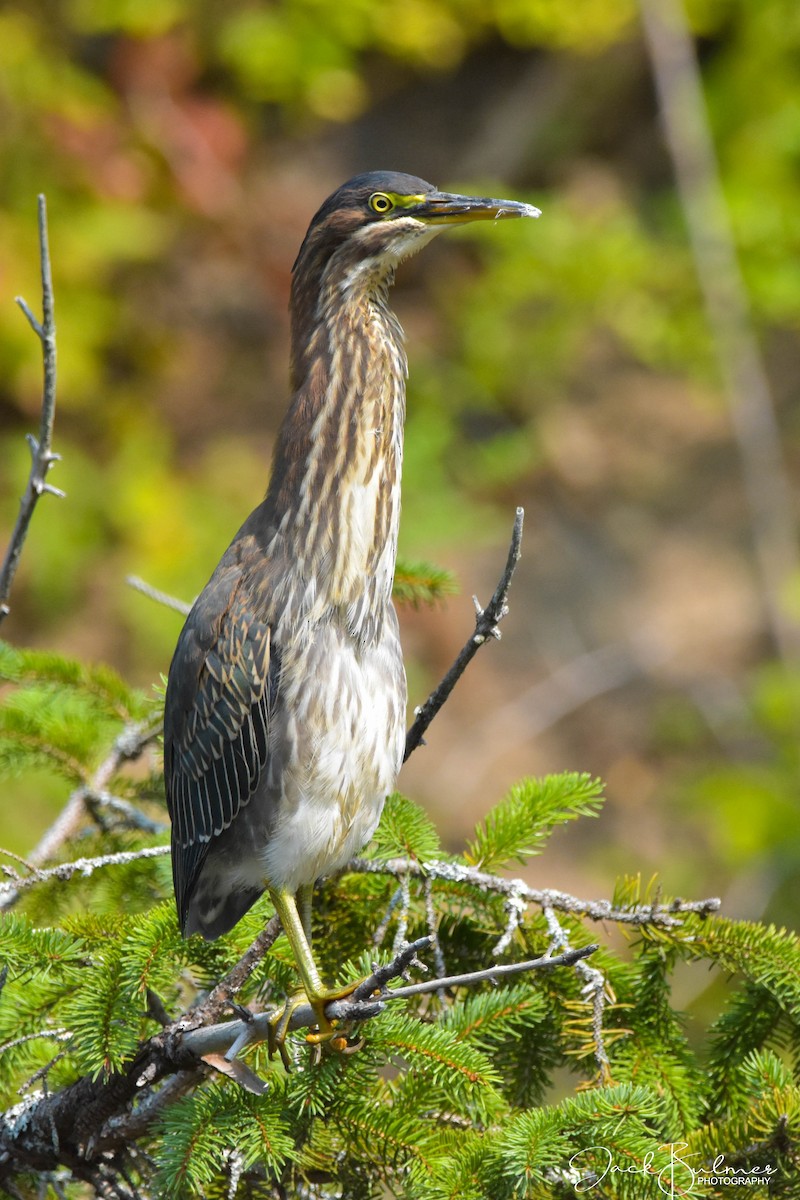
(517, 893)
(487, 621)
(515, 906)
(128, 815)
(747, 389)
(152, 593)
(222, 994)
(430, 917)
(64, 871)
(127, 747)
(489, 975)
(666, 916)
(594, 986)
(54, 1035)
(42, 456)
(380, 932)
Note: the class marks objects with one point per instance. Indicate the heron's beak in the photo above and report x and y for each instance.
(443, 208)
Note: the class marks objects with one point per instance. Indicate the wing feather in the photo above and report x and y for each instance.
(222, 689)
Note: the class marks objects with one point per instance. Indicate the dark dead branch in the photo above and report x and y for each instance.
(487, 625)
(42, 455)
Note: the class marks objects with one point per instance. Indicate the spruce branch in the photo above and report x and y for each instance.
(418, 583)
(100, 1114)
(42, 455)
(487, 622)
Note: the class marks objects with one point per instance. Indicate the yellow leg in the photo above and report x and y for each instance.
(304, 898)
(297, 928)
(294, 928)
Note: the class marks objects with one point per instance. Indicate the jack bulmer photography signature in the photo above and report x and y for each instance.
(670, 1165)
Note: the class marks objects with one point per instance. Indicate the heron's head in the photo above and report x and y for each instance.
(374, 220)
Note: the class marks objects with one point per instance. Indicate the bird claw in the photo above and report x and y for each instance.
(328, 1033)
(325, 1034)
(342, 1045)
(279, 1027)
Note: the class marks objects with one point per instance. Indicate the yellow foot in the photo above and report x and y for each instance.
(279, 1027)
(336, 1036)
(332, 1032)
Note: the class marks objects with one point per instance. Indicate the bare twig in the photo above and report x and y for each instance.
(383, 973)
(380, 932)
(152, 593)
(42, 456)
(430, 917)
(690, 142)
(487, 622)
(488, 975)
(515, 906)
(400, 940)
(221, 995)
(127, 747)
(665, 916)
(594, 986)
(54, 1035)
(129, 816)
(64, 871)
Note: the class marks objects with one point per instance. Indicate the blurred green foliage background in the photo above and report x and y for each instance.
(566, 365)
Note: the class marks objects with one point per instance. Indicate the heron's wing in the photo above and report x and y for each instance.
(221, 691)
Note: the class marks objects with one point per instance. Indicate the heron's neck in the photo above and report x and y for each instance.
(335, 490)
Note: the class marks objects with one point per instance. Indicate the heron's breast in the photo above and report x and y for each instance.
(342, 733)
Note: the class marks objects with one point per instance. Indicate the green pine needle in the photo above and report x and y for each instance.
(521, 823)
(419, 583)
(111, 693)
(405, 831)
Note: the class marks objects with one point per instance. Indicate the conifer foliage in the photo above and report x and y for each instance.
(554, 1082)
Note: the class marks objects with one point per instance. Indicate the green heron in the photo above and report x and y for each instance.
(285, 707)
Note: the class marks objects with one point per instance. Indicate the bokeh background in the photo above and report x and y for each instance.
(570, 365)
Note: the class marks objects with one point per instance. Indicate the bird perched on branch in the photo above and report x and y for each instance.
(285, 708)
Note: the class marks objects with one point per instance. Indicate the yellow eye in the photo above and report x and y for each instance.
(380, 203)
